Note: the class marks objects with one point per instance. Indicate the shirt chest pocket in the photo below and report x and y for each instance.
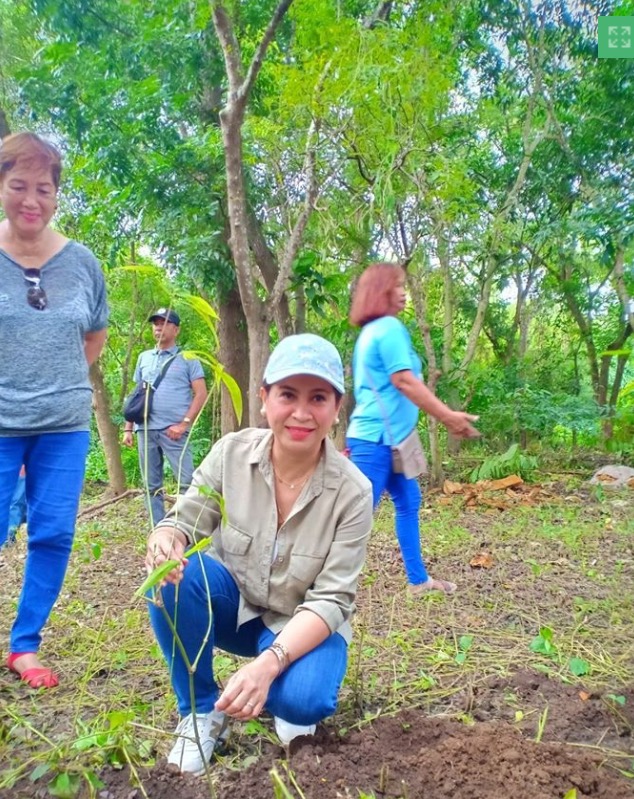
(303, 570)
(234, 547)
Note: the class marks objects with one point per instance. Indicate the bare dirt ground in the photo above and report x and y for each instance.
(464, 697)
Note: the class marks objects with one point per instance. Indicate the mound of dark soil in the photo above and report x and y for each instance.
(585, 738)
(406, 756)
(413, 756)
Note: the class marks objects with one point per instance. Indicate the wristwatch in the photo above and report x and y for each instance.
(187, 420)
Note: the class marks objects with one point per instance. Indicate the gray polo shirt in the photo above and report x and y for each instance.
(44, 384)
(173, 397)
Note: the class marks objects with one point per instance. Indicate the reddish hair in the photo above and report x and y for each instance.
(371, 296)
(28, 149)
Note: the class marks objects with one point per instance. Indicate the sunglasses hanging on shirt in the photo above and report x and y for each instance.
(35, 294)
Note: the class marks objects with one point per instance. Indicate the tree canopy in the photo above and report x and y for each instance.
(260, 154)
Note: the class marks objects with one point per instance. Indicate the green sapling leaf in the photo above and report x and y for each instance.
(578, 666)
(161, 572)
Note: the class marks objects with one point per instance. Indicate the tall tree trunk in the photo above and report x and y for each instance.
(5, 130)
(133, 338)
(453, 395)
(300, 310)
(108, 432)
(234, 346)
(248, 272)
(415, 283)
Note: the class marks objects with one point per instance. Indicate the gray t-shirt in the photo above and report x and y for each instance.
(172, 398)
(44, 384)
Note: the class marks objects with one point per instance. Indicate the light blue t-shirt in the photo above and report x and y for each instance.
(173, 397)
(44, 384)
(382, 413)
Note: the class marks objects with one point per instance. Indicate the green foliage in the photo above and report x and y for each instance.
(513, 461)
(464, 645)
(546, 410)
(578, 666)
(544, 643)
(66, 786)
(427, 123)
(618, 699)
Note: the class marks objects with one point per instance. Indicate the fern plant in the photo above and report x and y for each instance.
(513, 461)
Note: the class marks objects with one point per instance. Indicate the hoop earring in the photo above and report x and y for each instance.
(337, 420)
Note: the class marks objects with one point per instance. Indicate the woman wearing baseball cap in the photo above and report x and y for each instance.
(279, 579)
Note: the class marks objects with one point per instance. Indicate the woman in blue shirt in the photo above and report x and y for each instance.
(389, 393)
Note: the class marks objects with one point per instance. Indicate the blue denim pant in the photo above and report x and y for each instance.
(304, 694)
(154, 447)
(375, 461)
(55, 464)
(17, 511)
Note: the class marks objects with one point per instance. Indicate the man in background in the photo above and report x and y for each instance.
(176, 404)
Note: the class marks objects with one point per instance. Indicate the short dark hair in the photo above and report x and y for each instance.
(371, 295)
(29, 148)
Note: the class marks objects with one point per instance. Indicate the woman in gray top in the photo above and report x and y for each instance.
(53, 317)
(279, 580)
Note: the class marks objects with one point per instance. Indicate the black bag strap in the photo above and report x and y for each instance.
(163, 371)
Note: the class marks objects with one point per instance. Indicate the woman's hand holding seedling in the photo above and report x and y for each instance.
(166, 544)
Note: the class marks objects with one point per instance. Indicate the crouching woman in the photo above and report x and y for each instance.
(278, 582)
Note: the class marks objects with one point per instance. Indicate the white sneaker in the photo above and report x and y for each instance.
(287, 731)
(190, 754)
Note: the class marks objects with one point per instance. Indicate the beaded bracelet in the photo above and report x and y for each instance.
(281, 653)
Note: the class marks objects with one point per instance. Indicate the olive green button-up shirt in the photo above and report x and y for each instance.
(312, 562)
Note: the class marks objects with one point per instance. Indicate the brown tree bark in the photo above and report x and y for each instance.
(108, 432)
(5, 130)
(234, 345)
(253, 261)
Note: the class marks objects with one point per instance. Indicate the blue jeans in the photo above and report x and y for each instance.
(17, 511)
(304, 694)
(154, 447)
(375, 461)
(55, 464)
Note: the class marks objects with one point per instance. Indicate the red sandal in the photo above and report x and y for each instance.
(35, 677)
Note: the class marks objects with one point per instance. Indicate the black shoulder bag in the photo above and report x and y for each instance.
(138, 406)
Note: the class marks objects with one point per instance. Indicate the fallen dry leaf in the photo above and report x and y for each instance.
(471, 500)
(483, 560)
(505, 482)
(606, 478)
(493, 503)
(452, 488)
(584, 696)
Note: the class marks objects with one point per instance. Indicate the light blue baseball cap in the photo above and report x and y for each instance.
(305, 354)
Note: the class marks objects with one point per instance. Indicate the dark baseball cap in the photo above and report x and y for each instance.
(166, 313)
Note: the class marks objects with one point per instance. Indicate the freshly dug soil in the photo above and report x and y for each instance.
(412, 755)
(405, 756)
